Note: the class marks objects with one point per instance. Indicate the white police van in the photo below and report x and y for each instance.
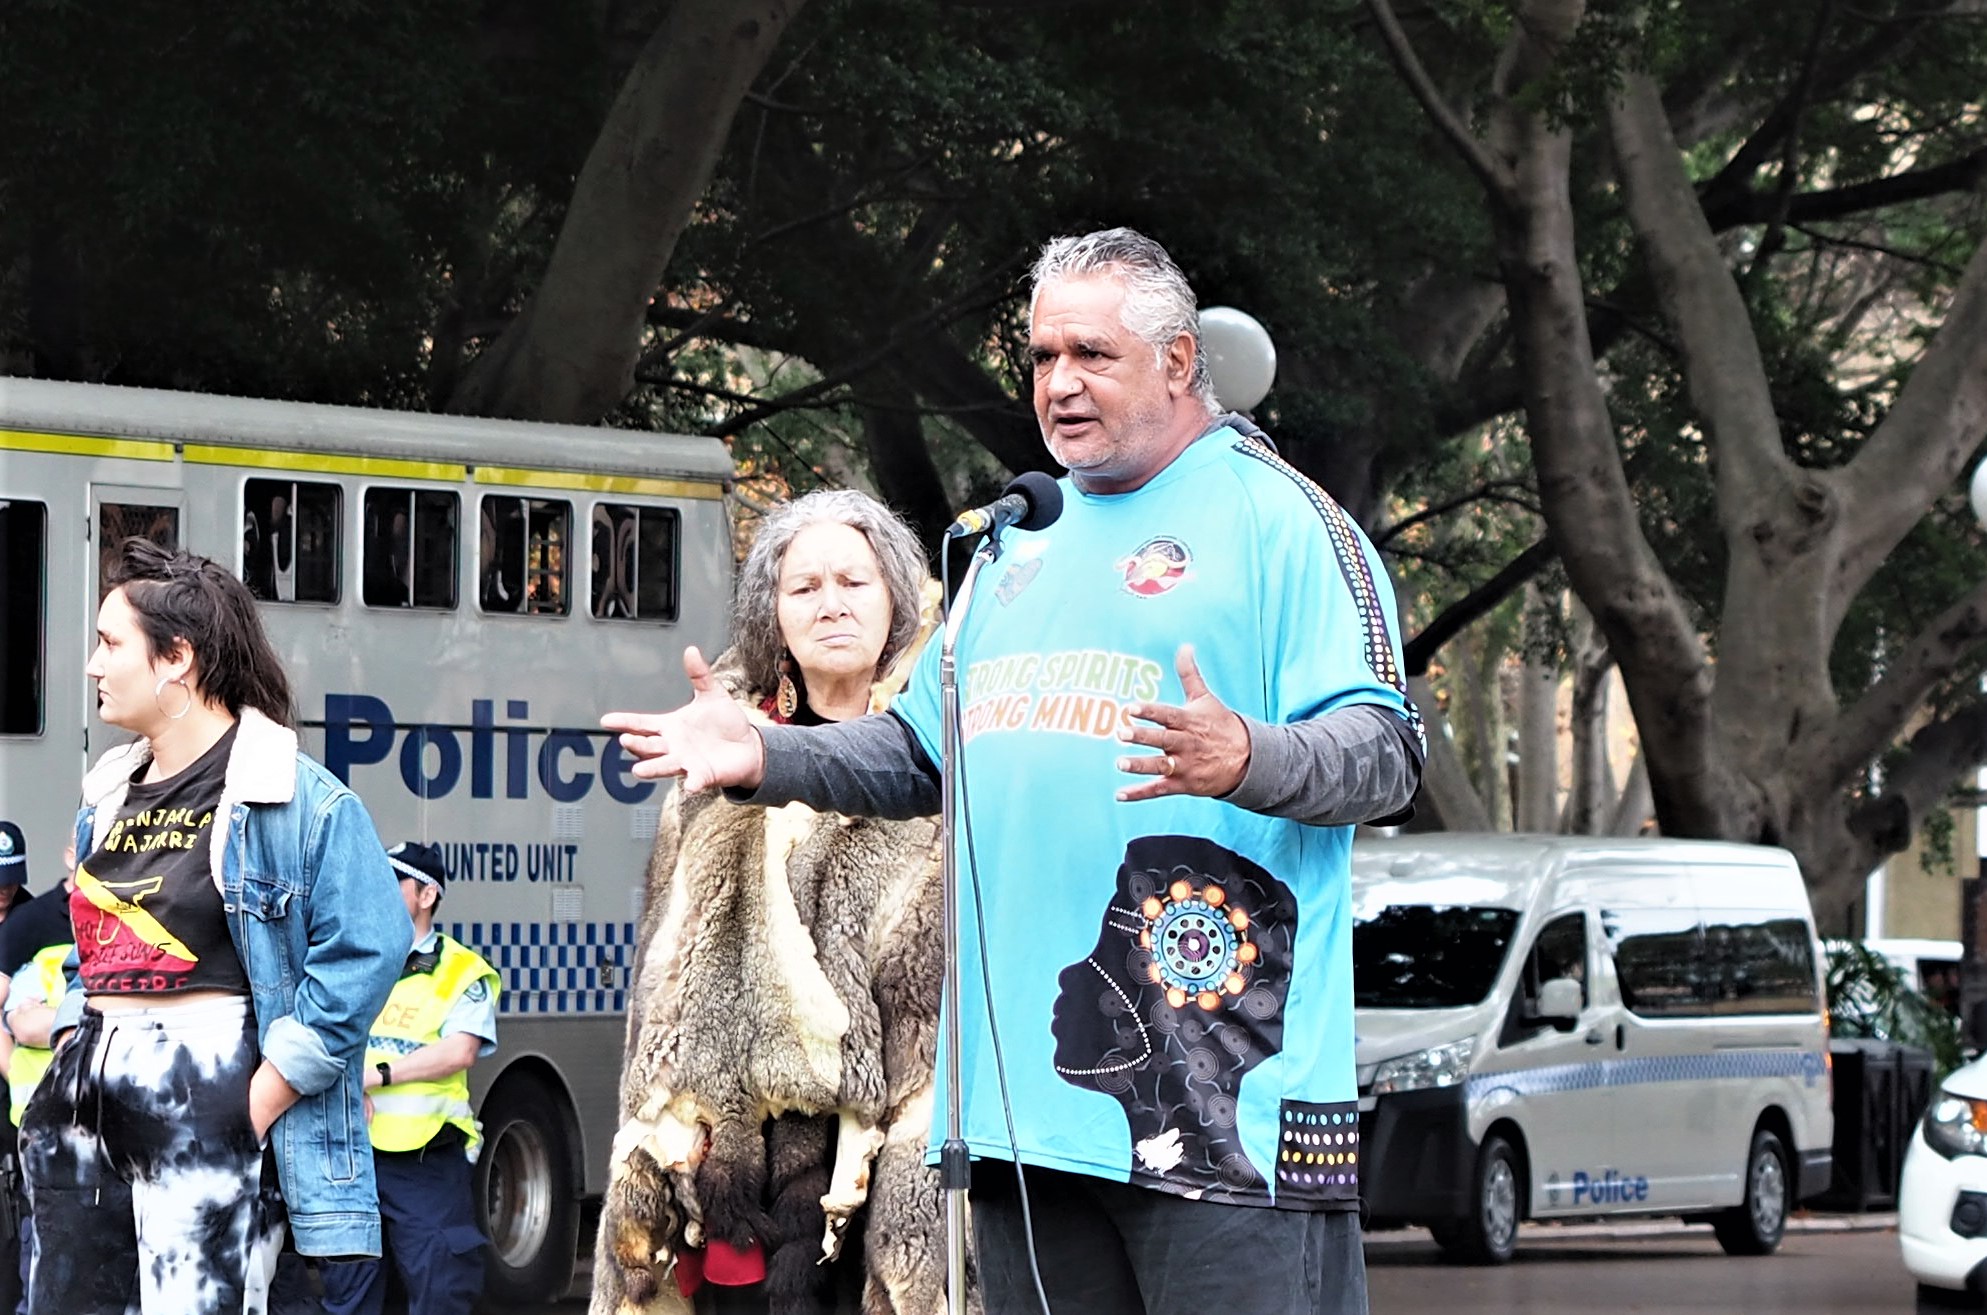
(456, 601)
(1557, 1027)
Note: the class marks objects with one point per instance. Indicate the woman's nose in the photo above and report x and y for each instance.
(832, 603)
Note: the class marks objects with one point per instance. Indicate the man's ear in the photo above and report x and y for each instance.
(1179, 364)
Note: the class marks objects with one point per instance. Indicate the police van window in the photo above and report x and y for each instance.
(290, 540)
(408, 553)
(24, 602)
(522, 554)
(1759, 964)
(1560, 951)
(1659, 960)
(118, 521)
(1414, 956)
(634, 562)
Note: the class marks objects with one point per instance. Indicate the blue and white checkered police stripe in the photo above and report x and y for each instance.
(1804, 1064)
(556, 967)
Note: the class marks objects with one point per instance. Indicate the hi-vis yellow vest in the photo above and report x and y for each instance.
(407, 1115)
(30, 1062)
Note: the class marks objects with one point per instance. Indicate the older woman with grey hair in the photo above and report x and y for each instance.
(827, 601)
(784, 954)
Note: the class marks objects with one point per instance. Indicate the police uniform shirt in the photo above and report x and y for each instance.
(1171, 978)
(474, 1011)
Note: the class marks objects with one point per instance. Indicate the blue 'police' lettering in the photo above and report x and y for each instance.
(1610, 1188)
(359, 730)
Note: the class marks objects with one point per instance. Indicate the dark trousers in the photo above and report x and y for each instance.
(150, 1191)
(1108, 1248)
(427, 1211)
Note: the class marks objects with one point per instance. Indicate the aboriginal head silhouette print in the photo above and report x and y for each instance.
(1183, 995)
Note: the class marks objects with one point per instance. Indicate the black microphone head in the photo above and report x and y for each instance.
(1044, 497)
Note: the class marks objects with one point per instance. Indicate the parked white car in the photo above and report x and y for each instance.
(1942, 1193)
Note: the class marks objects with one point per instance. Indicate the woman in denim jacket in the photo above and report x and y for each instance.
(238, 928)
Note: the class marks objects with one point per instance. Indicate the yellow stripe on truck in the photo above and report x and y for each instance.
(81, 445)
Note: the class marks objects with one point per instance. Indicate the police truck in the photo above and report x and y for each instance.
(456, 602)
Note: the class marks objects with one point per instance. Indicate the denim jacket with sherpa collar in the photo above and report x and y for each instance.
(318, 920)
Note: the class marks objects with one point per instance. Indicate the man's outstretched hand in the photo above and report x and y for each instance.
(708, 741)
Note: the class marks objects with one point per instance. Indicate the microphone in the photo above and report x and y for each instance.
(1031, 501)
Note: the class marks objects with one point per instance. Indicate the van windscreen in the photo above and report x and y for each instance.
(1414, 956)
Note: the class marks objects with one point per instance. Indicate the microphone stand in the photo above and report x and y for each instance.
(954, 1162)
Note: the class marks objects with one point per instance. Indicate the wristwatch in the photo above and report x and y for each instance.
(385, 1073)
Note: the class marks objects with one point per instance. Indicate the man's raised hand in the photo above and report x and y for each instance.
(1203, 746)
(708, 741)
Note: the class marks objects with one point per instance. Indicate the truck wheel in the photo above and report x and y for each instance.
(524, 1180)
(1754, 1226)
(1489, 1235)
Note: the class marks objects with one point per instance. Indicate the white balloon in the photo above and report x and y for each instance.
(1976, 493)
(1240, 357)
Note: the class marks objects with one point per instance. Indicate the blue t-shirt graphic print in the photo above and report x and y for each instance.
(1171, 978)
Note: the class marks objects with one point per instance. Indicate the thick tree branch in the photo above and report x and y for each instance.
(571, 355)
(1887, 707)
(688, 323)
(1457, 617)
(1721, 361)
(1754, 207)
(1931, 432)
(1494, 176)
(1935, 760)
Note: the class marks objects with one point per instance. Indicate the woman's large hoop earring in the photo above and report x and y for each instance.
(184, 688)
(786, 698)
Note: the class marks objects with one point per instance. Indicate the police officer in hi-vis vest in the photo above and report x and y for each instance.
(440, 1019)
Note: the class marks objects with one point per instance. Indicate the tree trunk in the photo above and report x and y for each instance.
(1536, 808)
(1636, 806)
(571, 355)
(1447, 802)
(1591, 802)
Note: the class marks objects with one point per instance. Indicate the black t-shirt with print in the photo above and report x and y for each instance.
(148, 917)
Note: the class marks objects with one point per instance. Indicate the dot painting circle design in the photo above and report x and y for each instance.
(1195, 947)
(1200, 947)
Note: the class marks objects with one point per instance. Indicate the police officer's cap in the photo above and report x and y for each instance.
(422, 863)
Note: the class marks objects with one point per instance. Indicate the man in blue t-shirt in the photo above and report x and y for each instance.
(1176, 701)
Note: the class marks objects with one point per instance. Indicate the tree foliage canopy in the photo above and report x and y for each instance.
(1632, 286)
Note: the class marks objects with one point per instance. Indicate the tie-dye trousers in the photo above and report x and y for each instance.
(150, 1192)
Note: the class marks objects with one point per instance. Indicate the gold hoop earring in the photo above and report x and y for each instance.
(786, 698)
(184, 688)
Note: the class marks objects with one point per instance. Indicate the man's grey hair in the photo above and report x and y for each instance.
(1159, 303)
(755, 621)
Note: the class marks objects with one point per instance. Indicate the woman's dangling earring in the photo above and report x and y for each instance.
(786, 698)
(160, 688)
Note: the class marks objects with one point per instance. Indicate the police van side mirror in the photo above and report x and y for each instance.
(1559, 1001)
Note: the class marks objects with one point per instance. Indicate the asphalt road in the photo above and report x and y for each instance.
(1676, 1269)
(1822, 1269)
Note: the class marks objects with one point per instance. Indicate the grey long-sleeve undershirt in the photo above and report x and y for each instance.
(1359, 763)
